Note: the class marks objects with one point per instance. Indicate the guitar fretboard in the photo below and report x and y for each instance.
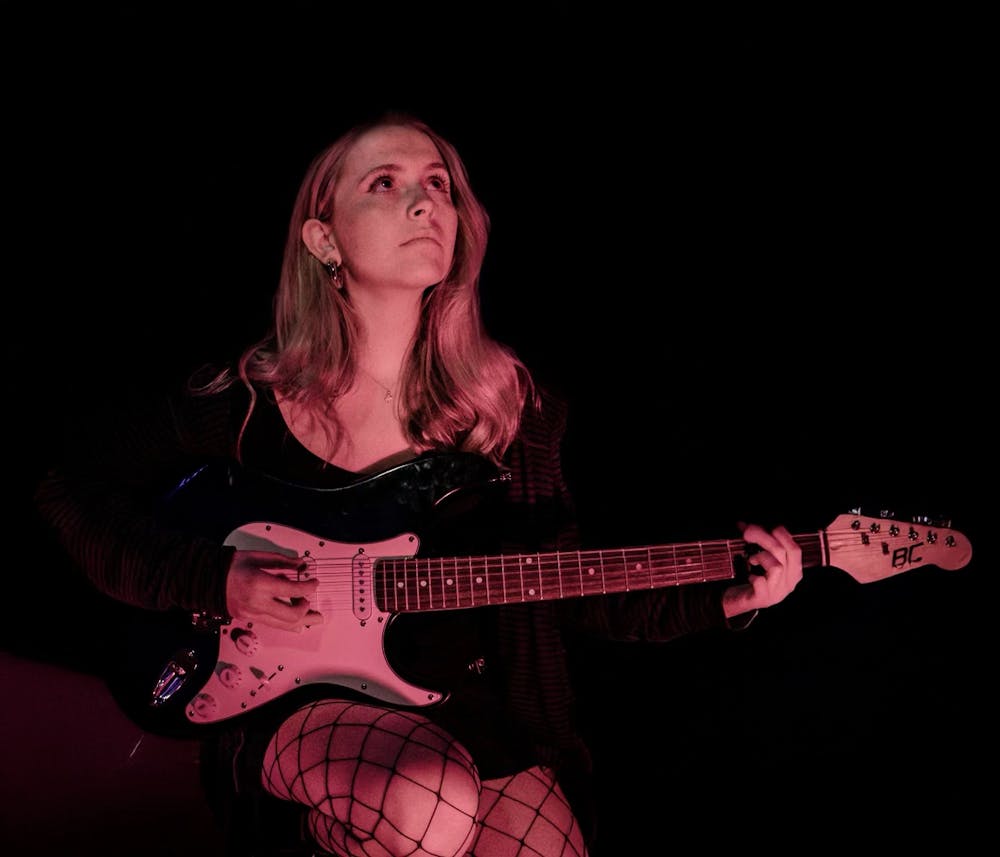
(412, 584)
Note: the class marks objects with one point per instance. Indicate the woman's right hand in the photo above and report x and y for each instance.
(262, 586)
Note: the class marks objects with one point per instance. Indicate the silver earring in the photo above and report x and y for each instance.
(334, 271)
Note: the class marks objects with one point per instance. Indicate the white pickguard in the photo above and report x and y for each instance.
(258, 663)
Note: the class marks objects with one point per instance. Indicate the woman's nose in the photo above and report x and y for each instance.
(420, 204)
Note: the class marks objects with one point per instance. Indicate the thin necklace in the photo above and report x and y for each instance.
(388, 390)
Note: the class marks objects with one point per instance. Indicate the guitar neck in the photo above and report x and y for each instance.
(415, 584)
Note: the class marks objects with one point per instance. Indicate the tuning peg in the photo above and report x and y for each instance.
(932, 521)
(882, 513)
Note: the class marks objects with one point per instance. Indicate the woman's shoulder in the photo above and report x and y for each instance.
(208, 401)
(546, 408)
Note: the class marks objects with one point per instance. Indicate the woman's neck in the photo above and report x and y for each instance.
(389, 330)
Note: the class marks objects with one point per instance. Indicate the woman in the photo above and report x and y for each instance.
(379, 387)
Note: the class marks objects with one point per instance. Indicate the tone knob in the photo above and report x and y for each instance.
(202, 707)
(230, 675)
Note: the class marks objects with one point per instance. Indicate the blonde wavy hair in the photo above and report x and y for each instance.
(463, 390)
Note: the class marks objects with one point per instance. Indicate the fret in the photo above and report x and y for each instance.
(463, 585)
(591, 565)
(492, 587)
(427, 584)
(672, 564)
(503, 579)
(569, 586)
(440, 582)
(443, 580)
(531, 578)
(690, 562)
(637, 568)
(470, 575)
(483, 591)
(615, 579)
(454, 586)
(413, 581)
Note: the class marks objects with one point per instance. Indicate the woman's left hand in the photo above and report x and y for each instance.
(779, 570)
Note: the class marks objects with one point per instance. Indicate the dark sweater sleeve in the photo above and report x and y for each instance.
(101, 497)
(659, 615)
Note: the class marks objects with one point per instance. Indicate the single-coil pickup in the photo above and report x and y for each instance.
(361, 585)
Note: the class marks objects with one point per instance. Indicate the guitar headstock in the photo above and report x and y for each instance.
(874, 548)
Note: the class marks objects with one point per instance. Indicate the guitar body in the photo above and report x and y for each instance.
(181, 672)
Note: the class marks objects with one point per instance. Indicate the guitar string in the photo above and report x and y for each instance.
(498, 586)
(848, 542)
(493, 570)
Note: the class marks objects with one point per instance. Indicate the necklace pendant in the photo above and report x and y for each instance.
(388, 397)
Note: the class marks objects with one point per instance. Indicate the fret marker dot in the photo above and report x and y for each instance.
(399, 585)
(531, 592)
(591, 571)
(479, 580)
(450, 582)
(423, 582)
(638, 566)
(528, 560)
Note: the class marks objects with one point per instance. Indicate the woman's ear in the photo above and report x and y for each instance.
(317, 238)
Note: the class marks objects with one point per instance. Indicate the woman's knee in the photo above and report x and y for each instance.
(433, 799)
(418, 809)
(394, 777)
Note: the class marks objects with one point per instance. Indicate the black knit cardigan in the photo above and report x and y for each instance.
(100, 498)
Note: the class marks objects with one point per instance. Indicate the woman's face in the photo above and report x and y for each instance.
(393, 217)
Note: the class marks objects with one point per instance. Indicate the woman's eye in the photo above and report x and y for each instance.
(384, 183)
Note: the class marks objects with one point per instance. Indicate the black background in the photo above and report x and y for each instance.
(746, 247)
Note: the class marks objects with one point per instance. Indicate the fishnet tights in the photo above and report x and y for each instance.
(384, 783)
